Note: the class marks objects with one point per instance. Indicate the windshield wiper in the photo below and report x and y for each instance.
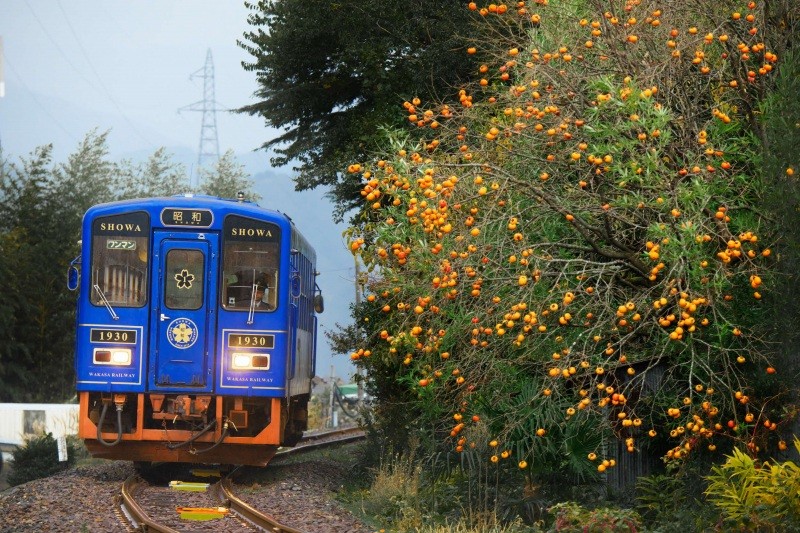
(105, 301)
(252, 305)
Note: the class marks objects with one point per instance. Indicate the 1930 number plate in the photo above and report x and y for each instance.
(238, 340)
(119, 336)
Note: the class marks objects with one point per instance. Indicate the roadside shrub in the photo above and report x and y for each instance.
(460, 527)
(755, 496)
(570, 516)
(315, 413)
(78, 453)
(394, 491)
(38, 458)
(673, 501)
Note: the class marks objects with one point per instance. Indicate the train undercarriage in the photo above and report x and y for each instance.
(189, 428)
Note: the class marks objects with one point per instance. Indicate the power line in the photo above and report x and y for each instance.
(2, 79)
(99, 79)
(58, 47)
(38, 103)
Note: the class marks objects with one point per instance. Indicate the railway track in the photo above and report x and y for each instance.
(312, 441)
(199, 506)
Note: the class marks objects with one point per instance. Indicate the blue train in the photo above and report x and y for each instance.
(196, 330)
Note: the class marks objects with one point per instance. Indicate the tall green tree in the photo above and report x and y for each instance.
(227, 178)
(331, 73)
(13, 376)
(160, 175)
(87, 177)
(38, 360)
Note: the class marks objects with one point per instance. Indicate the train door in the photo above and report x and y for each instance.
(184, 292)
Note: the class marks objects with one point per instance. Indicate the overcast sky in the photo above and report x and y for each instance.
(124, 65)
(127, 66)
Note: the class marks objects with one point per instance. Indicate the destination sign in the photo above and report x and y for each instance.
(135, 224)
(239, 340)
(196, 218)
(117, 336)
(238, 228)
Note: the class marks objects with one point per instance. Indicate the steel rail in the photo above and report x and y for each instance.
(315, 441)
(134, 512)
(316, 435)
(249, 513)
(141, 521)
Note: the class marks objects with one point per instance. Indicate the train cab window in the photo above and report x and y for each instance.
(250, 257)
(183, 279)
(119, 260)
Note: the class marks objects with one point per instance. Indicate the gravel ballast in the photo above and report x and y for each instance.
(302, 495)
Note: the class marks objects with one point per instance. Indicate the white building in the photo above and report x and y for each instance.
(21, 420)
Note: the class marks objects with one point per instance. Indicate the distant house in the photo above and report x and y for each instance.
(349, 394)
(19, 421)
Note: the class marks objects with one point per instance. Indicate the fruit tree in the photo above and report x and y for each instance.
(579, 249)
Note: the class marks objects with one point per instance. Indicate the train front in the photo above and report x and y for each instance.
(195, 335)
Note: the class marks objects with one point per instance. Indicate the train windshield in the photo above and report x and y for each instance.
(119, 259)
(251, 259)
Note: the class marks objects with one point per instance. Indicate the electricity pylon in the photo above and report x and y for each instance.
(209, 140)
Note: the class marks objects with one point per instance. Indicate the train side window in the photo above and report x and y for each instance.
(183, 279)
(119, 270)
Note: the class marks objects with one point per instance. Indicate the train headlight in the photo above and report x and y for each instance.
(112, 356)
(241, 360)
(250, 361)
(121, 357)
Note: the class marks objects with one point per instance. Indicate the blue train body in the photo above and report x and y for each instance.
(196, 330)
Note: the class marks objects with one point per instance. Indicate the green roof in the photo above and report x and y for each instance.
(350, 388)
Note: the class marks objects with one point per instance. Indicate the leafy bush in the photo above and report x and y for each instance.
(570, 516)
(394, 491)
(78, 453)
(460, 527)
(673, 501)
(38, 458)
(756, 497)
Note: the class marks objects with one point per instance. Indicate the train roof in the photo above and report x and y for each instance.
(189, 200)
(220, 207)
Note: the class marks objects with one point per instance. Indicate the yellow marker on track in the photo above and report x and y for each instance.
(202, 513)
(185, 485)
(206, 472)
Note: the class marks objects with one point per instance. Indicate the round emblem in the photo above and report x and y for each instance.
(182, 333)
